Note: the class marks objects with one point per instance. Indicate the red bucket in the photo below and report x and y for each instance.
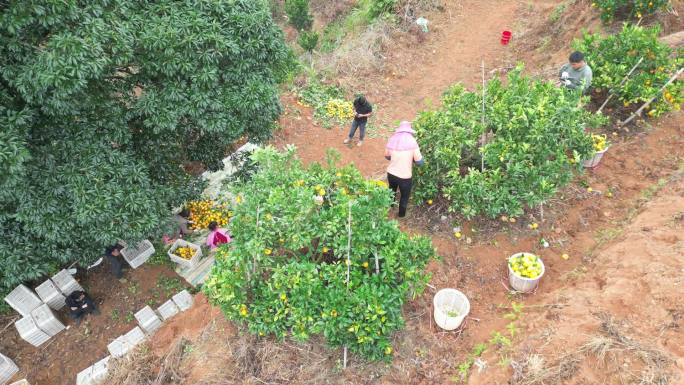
(506, 37)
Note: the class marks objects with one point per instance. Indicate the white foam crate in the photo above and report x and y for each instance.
(94, 374)
(123, 344)
(119, 347)
(183, 300)
(168, 309)
(66, 283)
(100, 369)
(138, 254)
(46, 321)
(84, 377)
(50, 294)
(23, 300)
(29, 331)
(135, 336)
(21, 382)
(148, 320)
(7, 369)
(186, 263)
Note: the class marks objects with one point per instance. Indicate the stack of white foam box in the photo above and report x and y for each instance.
(148, 320)
(183, 300)
(66, 283)
(123, 344)
(7, 369)
(38, 323)
(168, 309)
(46, 320)
(138, 254)
(94, 374)
(29, 331)
(51, 295)
(23, 300)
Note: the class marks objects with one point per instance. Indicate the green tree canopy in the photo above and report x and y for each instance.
(101, 104)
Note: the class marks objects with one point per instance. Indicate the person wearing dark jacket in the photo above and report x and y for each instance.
(79, 305)
(362, 110)
(114, 257)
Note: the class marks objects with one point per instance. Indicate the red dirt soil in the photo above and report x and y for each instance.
(577, 223)
(58, 361)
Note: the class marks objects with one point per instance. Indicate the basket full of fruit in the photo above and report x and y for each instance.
(185, 253)
(601, 145)
(525, 271)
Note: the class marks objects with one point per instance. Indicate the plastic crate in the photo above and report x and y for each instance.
(29, 331)
(51, 295)
(23, 300)
(183, 300)
(7, 369)
(168, 309)
(94, 374)
(46, 321)
(148, 320)
(138, 254)
(66, 283)
(119, 347)
(123, 344)
(182, 261)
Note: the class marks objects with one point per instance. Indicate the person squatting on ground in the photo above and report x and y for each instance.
(402, 151)
(362, 110)
(576, 74)
(182, 222)
(79, 305)
(217, 236)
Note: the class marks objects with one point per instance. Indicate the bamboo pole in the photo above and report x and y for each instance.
(612, 93)
(349, 235)
(484, 131)
(648, 103)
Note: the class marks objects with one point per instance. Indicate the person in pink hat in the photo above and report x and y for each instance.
(402, 151)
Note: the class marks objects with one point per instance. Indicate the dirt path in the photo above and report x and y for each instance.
(466, 33)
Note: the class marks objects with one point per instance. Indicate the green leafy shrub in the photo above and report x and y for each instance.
(319, 97)
(379, 7)
(308, 40)
(285, 273)
(537, 141)
(102, 105)
(298, 14)
(612, 57)
(631, 8)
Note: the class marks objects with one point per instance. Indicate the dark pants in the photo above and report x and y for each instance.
(361, 125)
(116, 264)
(404, 186)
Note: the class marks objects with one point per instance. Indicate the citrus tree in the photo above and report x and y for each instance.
(314, 253)
(612, 57)
(101, 104)
(630, 8)
(535, 140)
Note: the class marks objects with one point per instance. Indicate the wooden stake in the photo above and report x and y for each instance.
(344, 365)
(648, 103)
(620, 85)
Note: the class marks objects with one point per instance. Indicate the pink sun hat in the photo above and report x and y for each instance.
(402, 139)
(405, 126)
